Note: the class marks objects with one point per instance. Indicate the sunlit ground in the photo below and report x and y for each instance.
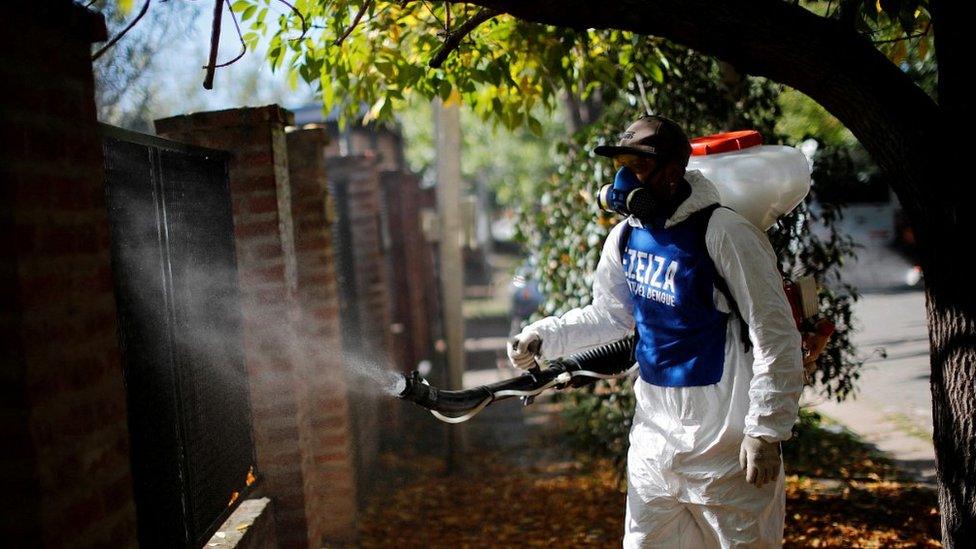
(856, 499)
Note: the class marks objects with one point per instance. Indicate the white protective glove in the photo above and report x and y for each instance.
(523, 348)
(760, 460)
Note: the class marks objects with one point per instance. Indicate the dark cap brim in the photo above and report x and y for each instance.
(614, 150)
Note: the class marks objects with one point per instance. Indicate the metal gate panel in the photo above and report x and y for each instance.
(178, 302)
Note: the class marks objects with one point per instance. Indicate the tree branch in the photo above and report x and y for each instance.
(432, 13)
(214, 44)
(909, 37)
(643, 93)
(300, 16)
(359, 16)
(117, 37)
(240, 36)
(454, 38)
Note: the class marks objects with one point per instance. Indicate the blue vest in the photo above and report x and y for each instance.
(671, 277)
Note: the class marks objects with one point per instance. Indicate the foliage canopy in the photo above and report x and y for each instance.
(379, 52)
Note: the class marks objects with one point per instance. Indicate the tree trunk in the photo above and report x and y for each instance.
(950, 298)
(951, 312)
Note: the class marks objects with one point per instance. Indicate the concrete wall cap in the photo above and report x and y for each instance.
(238, 117)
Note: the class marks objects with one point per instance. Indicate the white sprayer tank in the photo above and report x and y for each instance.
(761, 182)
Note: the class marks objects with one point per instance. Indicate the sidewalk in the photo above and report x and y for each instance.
(893, 406)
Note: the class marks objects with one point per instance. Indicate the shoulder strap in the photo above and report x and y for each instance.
(624, 238)
(723, 286)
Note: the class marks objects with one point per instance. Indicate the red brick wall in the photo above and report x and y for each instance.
(389, 149)
(65, 464)
(400, 268)
(384, 145)
(267, 270)
(427, 199)
(331, 505)
(370, 245)
(368, 346)
(412, 269)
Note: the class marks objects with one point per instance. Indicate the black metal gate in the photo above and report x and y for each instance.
(175, 276)
(342, 246)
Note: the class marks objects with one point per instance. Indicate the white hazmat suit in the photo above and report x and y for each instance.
(686, 487)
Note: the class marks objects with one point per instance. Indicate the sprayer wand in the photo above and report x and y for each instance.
(604, 362)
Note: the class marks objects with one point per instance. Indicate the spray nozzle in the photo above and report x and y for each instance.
(414, 387)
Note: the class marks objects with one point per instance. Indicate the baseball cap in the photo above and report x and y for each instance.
(651, 135)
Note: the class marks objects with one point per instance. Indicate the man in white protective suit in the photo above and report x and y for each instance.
(718, 352)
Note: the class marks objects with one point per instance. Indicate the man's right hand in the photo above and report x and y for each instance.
(523, 348)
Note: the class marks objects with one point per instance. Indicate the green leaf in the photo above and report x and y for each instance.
(328, 94)
(386, 69)
(444, 90)
(251, 39)
(535, 126)
(375, 110)
(306, 73)
(656, 73)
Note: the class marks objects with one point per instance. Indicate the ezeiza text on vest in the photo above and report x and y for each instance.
(648, 278)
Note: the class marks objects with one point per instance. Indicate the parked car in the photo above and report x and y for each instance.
(884, 262)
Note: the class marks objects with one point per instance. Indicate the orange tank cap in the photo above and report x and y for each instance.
(725, 142)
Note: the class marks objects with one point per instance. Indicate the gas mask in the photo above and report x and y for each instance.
(626, 196)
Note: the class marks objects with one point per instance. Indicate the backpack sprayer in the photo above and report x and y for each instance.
(604, 362)
(762, 183)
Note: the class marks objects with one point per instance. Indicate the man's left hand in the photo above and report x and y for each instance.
(760, 460)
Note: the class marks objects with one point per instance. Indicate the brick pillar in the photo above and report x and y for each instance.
(399, 262)
(370, 242)
(365, 295)
(267, 270)
(331, 506)
(65, 466)
(412, 273)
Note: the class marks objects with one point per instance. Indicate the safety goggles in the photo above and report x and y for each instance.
(645, 168)
(637, 164)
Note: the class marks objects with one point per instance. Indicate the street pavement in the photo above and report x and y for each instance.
(892, 408)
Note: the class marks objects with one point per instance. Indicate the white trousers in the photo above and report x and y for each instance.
(667, 522)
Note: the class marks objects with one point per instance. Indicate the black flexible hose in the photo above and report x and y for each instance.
(605, 359)
(610, 360)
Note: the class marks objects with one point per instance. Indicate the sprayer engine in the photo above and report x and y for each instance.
(607, 361)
